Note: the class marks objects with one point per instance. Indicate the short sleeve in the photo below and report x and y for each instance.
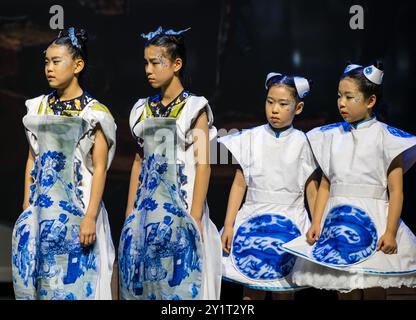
(33, 106)
(135, 114)
(396, 142)
(238, 145)
(98, 115)
(193, 108)
(309, 163)
(320, 149)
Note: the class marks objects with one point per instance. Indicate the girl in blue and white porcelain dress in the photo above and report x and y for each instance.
(277, 171)
(62, 246)
(169, 248)
(357, 239)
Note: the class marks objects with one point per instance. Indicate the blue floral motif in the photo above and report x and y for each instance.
(153, 183)
(256, 247)
(34, 174)
(52, 163)
(35, 169)
(399, 133)
(162, 168)
(23, 216)
(348, 236)
(148, 204)
(88, 290)
(171, 208)
(43, 201)
(162, 240)
(53, 159)
(32, 190)
(71, 208)
(130, 219)
(70, 296)
(195, 289)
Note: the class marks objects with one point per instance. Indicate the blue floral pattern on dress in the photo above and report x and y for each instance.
(256, 247)
(43, 201)
(71, 208)
(157, 259)
(34, 175)
(348, 236)
(41, 245)
(177, 211)
(52, 162)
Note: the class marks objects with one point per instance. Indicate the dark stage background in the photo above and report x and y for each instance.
(233, 44)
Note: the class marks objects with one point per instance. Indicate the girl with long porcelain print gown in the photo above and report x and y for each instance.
(62, 247)
(169, 248)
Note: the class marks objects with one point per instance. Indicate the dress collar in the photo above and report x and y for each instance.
(279, 133)
(68, 107)
(159, 110)
(363, 124)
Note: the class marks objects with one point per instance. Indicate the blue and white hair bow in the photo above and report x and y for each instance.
(73, 37)
(161, 32)
(372, 73)
(302, 85)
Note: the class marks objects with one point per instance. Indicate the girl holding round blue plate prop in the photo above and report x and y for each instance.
(357, 239)
(276, 169)
(169, 248)
(62, 246)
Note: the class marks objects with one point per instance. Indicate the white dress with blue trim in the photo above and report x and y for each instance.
(276, 168)
(48, 261)
(356, 160)
(161, 252)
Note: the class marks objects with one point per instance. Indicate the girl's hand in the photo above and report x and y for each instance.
(87, 231)
(387, 244)
(313, 234)
(227, 238)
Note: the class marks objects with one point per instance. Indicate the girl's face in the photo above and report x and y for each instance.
(281, 106)
(160, 69)
(60, 67)
(352, 104)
